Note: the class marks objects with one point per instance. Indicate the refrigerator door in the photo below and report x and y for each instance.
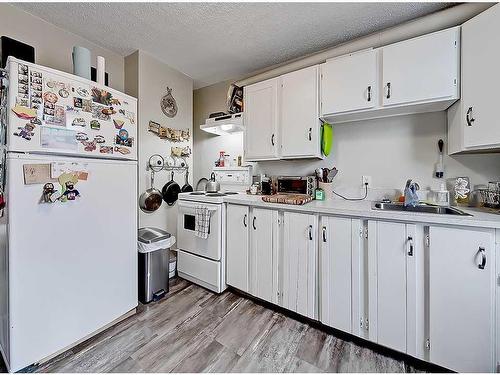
(73, 116)
(72, 264)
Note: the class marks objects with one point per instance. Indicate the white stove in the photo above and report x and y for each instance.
(202, 260)
(201, 196)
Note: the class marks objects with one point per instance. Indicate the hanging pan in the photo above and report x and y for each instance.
(170, 191)
(186, 188)
(151, 199)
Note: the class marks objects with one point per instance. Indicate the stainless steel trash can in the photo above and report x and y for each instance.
(154, 249)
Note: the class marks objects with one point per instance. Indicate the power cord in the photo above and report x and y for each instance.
(353, 199)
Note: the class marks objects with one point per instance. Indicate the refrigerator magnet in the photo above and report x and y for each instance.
(106, 149)
(68, 182)
(79, 121)
(95, 125)
(25, 132)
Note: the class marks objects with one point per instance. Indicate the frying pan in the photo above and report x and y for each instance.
(170, 191)
(151, 199)
(186, 188)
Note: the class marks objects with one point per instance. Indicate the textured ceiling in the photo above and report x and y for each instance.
(212, 42)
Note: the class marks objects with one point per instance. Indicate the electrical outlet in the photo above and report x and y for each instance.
(366, 180)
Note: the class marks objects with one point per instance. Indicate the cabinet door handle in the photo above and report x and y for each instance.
(272, 139)
(388, 90)
(324, 234)
(245, 220)
(310, 134)
(253, 223)
(482, 251)
(469, 118)
(310, 232)
(410, 250)
(369, 93)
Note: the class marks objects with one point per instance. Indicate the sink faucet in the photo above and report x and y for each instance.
(411, 197)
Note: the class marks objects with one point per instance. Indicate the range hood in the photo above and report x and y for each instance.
(224, 125)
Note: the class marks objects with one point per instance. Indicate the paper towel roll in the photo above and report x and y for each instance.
(101, 69)
(81, 62)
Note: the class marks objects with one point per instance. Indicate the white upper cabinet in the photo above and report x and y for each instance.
(473, 121)
(349, 83)
(461, 298)
(413, 76)
(422, 69)
(299, 114)
(261, 120)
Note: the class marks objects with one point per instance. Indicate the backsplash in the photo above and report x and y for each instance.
(391, 150)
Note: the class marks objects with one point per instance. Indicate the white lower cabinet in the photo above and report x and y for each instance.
(341, 259)
(299, 263)
(263, 254)
(427, 291)
(461, 298)
(391, 247)
(237, 246)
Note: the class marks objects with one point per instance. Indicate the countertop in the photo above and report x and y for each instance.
(363, 209)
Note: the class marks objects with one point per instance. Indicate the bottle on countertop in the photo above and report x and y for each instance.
(221, 158)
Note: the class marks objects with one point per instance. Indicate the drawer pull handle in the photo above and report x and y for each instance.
(410, 250)
(310, 232)
(324, 234)
(310, 134)
(369, 93)
(253, 223)
(469, 118)
(272, 139)
(388, 90)
(482, 251)
(245, 220)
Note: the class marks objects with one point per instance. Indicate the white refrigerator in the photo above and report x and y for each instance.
(68, 232)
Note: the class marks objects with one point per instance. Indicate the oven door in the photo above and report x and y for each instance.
(211, 247)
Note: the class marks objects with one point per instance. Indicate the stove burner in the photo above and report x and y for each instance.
(197, 193)
(215, 194)
(231, 193)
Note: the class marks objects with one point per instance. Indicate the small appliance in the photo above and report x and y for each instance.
(296, 185)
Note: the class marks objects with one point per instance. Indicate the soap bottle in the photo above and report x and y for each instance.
(442, 196)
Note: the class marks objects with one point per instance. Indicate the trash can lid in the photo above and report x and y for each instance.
(150, 235)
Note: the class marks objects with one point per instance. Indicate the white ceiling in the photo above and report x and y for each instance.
(212, 42)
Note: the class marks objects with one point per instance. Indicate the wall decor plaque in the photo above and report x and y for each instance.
(168, 104)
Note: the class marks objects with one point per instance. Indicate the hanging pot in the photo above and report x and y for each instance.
(170, 191)
(186, 188)
(151, 199)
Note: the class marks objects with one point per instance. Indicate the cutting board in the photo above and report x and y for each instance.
(296, 199)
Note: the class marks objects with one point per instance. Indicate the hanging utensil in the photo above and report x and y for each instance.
(331, 174)
(170, 191)
(151, 199)
(186, 188)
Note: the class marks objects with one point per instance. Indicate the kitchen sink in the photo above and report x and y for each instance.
(424, 208)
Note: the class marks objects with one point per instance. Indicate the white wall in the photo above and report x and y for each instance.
(391, 150)
(150, 78)
(208, 100)
(53, 45)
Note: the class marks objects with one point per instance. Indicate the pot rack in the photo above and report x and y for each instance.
(156, 163)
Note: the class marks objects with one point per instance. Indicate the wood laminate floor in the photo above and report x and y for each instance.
(194, 330)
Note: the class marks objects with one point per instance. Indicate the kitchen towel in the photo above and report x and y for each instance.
(202, 221)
